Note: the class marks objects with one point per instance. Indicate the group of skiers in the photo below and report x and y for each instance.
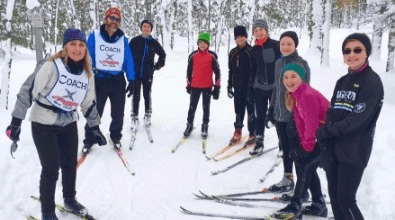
(85, 73)
(268, 79)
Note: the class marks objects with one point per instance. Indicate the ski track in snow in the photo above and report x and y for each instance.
(163, 180)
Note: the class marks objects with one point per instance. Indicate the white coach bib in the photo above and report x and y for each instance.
(109, 56)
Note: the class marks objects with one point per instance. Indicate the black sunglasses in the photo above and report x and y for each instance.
(117, 20)
(356, 50)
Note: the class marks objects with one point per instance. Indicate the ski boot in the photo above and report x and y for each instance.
(135, 122)
(49, 216)
(317, 208)
(147, 118)
(258, 145)
(236, 136)
(204, 130)
(188, 130)
(286, 197)
(117, 143)
(86, 148)
(251, 140)
(71, 204)
(292, 211)
(285, 185)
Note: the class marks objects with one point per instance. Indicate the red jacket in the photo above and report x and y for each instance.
(201, 65)
(308, 114)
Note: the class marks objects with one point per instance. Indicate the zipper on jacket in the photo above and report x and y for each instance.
(142, 59)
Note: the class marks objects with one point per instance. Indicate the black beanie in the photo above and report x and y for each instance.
(363, 38)
(148, 22)
(240, 31)
(292, 35)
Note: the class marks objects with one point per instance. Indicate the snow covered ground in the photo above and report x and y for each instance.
(163, 180)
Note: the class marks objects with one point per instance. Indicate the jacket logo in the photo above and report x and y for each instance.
(360, 107)
(346, 95)
(356, 85)
(69, 95)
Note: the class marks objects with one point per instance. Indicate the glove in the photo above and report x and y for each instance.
(216, 92)
(188, 89)
(326, 154)
(156, 67)
(100, 139)
(269, 117)
(230, 92)
(14, 129)
(130, 89)
(322, 133)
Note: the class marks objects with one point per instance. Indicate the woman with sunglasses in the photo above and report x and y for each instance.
(346, 139)
(58, 86)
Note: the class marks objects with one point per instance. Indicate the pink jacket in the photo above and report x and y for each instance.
(308, 114)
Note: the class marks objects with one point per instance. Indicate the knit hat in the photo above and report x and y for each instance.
(292, 35)
(296, 68)
(112, 10)
(363, 38)
(73, 34)
(204, 37)
(260, 23)
(240, 31)
(147, 22)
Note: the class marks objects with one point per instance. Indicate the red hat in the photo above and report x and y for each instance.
(112, 10)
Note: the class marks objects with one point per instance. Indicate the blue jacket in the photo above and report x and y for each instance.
(128, 65)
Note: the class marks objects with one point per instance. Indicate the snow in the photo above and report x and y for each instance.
(163, 180)
(30, 4)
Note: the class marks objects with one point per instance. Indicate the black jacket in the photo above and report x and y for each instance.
(351, 118)
(143, 51)
(264, 59)
(240, 66)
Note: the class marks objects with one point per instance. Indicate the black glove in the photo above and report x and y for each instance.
(14, 129)
(156, 67)
(130, 89)
(216, 92)
(322, 133)
(188, 89)
(269, 117)
(230, 92)
(326, 154)
(100, 139)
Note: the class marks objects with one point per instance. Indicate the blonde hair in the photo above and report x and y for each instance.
(289, 102)
(86, 60)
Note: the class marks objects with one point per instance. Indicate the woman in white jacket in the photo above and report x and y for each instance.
(57, 87)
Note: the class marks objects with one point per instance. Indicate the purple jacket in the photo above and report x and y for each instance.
(308, 114)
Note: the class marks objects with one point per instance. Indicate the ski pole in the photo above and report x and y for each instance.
(276, 163)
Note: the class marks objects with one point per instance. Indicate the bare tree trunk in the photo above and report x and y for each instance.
(391, 49)
(190, 27)
(377, 35)
(326, 32)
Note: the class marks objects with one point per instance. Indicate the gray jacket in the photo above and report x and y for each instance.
(38, 85)
(280, 113)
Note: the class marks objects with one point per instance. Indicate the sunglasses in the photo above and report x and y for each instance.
(114, 19)
(356, 50)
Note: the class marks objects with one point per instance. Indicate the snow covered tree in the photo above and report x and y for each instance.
(326, 33)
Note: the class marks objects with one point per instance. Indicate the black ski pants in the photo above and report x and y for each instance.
(281, 128)
(243, 98)
(147, 86)
(57, 148)
(194, 100)
(262, 98)
(343, 183)
(114, 89)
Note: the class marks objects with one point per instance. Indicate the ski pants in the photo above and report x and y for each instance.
(243, 98)
(57, 148)
(343, 183)
(114, 89)
(147, 85)
(262, 98)
(194, 100)
(281, 128)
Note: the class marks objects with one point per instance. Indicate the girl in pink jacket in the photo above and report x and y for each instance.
(308, 108)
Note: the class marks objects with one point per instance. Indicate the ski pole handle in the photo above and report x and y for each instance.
(14, 146)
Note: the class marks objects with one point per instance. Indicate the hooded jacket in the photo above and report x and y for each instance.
(308, 114)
